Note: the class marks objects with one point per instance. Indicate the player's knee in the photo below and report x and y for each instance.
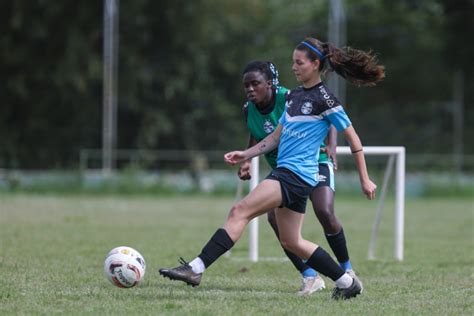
(327, 218)
(289, 244)
(323, 211)
(238, 211)
(331, 224)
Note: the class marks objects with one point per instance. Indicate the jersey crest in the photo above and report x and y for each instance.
(268, 126)
(261, 125)
(307, 108)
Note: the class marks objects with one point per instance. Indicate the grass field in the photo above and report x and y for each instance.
(52, 250)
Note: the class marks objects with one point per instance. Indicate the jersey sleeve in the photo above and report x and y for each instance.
(337, 117)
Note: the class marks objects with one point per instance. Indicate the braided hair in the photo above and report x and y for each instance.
(267, 68)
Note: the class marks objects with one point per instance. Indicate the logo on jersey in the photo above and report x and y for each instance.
(268, 127)
(330, 102)
(293, 133)
(324, 92)
(287, 104)
(322, 178)
(306, 108)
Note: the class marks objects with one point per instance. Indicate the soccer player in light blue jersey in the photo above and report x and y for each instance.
(310, 110)
(262, 111)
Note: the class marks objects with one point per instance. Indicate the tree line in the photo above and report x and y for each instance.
(180, 65)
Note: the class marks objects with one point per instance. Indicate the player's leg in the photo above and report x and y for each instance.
(297, 262)
(311, 281)
(290, 224)
(266, 196)
(322, 199)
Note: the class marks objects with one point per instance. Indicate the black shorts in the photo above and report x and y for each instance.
(294, 190)
(326, 176)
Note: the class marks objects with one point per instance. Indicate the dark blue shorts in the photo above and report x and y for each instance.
(294, 190)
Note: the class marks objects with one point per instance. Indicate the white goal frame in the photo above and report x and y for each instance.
(396, 154)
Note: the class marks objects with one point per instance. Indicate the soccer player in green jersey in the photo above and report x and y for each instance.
(266, 103)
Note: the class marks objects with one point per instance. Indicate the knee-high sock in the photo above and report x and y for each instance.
(322, 262)
(338, 245)
(219, 243)
(297, 262)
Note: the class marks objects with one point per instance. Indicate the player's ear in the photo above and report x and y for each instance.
(316, 64)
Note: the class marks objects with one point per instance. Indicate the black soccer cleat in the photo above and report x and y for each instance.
(345, 294)
(183, 273)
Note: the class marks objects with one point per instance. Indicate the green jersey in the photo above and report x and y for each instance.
(261, 123)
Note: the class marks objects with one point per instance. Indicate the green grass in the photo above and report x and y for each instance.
(52, 250)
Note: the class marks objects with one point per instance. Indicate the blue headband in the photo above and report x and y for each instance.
(314, 49)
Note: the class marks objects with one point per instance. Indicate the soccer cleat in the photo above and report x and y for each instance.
(350, 292)
(311, 285)
(183, 273)
(354, 276)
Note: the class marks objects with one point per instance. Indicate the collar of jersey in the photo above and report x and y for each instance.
(313, 87)
(269, 108)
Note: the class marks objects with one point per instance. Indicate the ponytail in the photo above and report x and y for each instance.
(356, 66)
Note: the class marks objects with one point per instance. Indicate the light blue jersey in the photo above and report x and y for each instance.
(305, 123)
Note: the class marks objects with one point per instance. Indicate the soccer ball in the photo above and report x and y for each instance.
(124, 267)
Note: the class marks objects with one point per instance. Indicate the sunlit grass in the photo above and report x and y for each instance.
(52, 250)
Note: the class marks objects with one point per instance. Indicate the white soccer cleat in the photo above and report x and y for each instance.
(311, 285)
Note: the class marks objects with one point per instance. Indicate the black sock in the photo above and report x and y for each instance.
(322, 262)
(219, 243)
(297, 262)
(338, 245)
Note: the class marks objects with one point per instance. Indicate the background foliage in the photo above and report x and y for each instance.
(180, 68)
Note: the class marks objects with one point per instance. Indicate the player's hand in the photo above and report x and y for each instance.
(368, 187)
(244, 170)
(234, 157)
(331, 152)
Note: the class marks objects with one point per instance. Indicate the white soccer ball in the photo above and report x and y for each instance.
(124, 267)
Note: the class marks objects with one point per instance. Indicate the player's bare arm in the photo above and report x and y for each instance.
(244, 169)
(331, 142)
(268, 144)
(368, 187)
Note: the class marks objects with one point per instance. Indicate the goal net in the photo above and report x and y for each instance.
(396, 160)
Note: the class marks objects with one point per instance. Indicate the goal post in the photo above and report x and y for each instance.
(253, 225)
(396, 155)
